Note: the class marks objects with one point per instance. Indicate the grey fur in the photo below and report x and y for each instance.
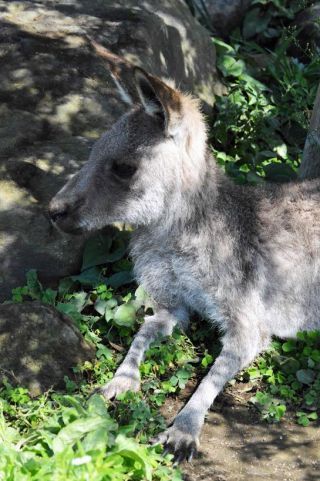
(246, 258)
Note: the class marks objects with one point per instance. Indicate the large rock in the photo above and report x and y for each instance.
(222, 16)
(56, 98)
(39, 346)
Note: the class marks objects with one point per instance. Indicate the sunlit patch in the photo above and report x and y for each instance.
(83, 460)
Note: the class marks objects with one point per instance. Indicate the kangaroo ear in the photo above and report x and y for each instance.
(158, 99)
(121, 71)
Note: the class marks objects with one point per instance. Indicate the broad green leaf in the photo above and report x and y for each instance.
(313, 416)
(290, 365)
(97, 406)
(303, 420)
(280, 410)
(279, 172)
(120, 279)
(78, 300)
(89, 277)
(305, 376)
(49, 296)
(230, 66)
(255, 22)
(142, 299)
(282, 150)
(75, 431)
(253, 178)
(289, 346)
(67, 400)
(109, 314)
(7, 433)
(65, 285)
(102, 249)
(125, 315)
(95, 251)
(103, 351)
(223, 47)
(111, 303)
(254, 372)
(315, 355)
(97, 439)
(34, 287)
(100, 306)
(69, 309)
(130, 449)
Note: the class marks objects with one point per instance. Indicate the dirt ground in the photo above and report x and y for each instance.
(236, 445)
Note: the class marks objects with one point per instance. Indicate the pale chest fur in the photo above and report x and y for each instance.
(175, 278)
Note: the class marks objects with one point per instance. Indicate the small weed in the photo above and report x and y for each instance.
(291, 371)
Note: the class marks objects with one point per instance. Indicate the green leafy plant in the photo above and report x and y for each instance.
(78, 441)
(291, 371)
(259, 128)
(264, 18)
(34, 290)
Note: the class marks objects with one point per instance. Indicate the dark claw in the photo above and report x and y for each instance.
(182, 446)
(166, 451)
(184, 454)
(192, 453)
(179, 457)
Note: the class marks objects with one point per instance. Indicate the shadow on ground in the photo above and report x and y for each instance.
(236, 445)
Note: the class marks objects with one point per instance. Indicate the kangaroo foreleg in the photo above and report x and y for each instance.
(182, 438)
(127, 376)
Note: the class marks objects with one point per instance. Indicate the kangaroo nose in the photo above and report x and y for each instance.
(57, 211)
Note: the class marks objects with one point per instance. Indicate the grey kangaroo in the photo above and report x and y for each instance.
(246, 258)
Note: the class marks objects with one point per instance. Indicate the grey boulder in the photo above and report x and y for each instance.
(222, 16)
(39, 346)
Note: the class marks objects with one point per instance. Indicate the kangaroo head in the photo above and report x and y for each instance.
(137, 169)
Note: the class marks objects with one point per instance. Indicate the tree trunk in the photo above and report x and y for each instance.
(310, 164)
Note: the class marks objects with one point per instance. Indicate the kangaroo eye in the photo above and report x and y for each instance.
(124, 171)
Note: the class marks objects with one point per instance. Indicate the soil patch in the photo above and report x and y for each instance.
(236, 445)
